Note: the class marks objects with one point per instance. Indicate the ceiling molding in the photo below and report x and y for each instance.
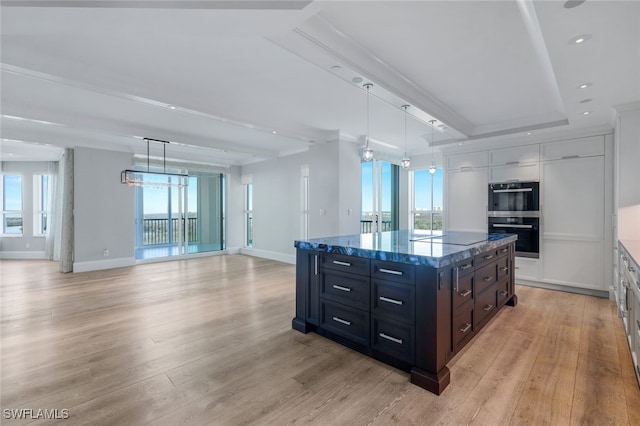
(319, 33)
(28, 73)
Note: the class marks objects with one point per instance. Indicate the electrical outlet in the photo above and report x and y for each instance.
(105, 252)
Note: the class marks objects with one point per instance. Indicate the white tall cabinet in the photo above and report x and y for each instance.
(572, 205)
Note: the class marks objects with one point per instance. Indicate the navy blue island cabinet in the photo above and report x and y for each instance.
(410, 299)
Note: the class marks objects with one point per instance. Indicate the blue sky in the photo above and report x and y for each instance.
(155, 199)
(12, 192)
(422, 180)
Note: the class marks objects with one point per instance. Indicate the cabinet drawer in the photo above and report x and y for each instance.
(503, 251)
(462, 328)
(349, 289)
(351, 264)
(350, 323)
(394, 339)
(463, 291)
(503, 292)
(464, 268)
(574, 148)
(484, 258)
(504, 268)
(394, 300)
(393, 271)
(485, 305)
(486, 276)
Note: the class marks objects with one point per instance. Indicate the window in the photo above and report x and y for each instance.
(40, 193)
(248, 213)
(12, 205)
(426, 200)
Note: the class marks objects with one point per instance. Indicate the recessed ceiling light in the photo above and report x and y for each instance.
(585, 85)
(172, 107)
(357, 80)
(584, 101)
(336, 67)
(580, 39)
(274, 132)
(587, 112)
(573, 3)
(529, 133)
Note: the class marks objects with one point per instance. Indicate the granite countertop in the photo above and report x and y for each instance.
(412, 247)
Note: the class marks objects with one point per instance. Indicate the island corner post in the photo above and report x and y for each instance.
(412, 311)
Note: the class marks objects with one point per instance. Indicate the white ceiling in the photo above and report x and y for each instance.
(105, 74)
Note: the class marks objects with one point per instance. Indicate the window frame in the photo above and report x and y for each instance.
(40, 205)
(248, 214)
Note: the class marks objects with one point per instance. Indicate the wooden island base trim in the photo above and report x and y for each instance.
(300, 325)
(434, 383)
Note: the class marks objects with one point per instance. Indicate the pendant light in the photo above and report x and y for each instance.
(367, 153)
(432, 167)
(406, 162)
(149, 178)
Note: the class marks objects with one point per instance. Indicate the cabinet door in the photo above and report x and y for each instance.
(466, 208)
(515, 155)
(572, 249)
(515, 173)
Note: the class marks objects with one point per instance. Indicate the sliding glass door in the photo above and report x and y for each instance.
(173, 220)
(380, 198)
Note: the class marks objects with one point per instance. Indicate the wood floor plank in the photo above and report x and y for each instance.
(209, 341)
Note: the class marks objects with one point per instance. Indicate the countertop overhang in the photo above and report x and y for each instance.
(412, 247)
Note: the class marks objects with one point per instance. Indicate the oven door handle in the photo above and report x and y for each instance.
(496, 191)
(501, 225)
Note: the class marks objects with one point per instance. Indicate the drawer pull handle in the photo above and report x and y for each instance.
(390, 271)
(339, 287)
(569, 157)
(393, 339)
(504, 250)
(337, 262)
(465, 293)
(341, 321)
(487, 279)
(504, 269)
(638, 321)
(466, 328)
(488, 308)
(467, 266)
(394, 301)
(487, 257)
(504, 293)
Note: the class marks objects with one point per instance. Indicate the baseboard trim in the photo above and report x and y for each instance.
(96, 265)
(23, 255)
(182, 257)
(567, 289)
(271, 255)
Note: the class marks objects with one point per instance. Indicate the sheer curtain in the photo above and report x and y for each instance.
(59, 239)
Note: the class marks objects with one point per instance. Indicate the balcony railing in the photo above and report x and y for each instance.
(366, 226)
(156, 231)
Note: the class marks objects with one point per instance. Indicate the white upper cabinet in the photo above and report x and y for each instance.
(517, 164)
(518, 173)
(470, 160)
(515, 156)
(574, 148)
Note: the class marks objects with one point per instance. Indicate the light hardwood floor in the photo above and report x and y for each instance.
(209, 341)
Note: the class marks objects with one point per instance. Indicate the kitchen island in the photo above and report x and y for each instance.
(410, 299)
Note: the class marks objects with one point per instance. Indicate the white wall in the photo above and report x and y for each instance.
(103, 210)
(334, 189)
(26, 246)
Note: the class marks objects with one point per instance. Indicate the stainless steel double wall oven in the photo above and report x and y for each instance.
(514, 208)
